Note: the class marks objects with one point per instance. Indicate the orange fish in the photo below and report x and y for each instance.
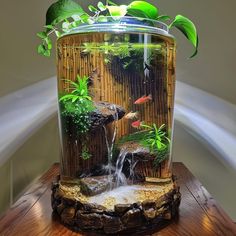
(136, 124)
(132, 115)
(143, 99)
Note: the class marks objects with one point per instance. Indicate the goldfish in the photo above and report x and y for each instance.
(143, 99)
(136, 124)
(132, 115)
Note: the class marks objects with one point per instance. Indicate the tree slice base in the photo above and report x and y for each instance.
(80, 215)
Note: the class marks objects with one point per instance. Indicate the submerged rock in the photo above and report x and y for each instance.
(105, 113)
(94, 185)
(137, 150)
(137, 156)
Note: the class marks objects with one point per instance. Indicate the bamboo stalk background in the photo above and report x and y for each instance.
(113, 84)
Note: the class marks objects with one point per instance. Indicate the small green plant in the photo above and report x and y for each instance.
(79, 92)
(77, 105)
(152, 137)
(155, 138)
(85, 155)
(64, 15)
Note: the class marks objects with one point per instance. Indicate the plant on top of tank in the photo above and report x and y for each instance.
(64, 15)
(77, 104)
(152, 137)
(129, 55)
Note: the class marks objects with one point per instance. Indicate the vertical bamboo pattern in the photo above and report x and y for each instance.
(114, 84)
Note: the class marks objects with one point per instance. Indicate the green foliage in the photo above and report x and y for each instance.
(79, 92)
(64, 15)
(77, 105)
(142, 9)
(85, 155)
(156, 138)
(187, 27)
(152, 137)
(130, 55)
(78, 114)
(61, 10)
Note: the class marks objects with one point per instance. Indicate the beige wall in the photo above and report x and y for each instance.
(212, 70)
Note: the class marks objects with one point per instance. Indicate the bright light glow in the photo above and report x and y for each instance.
(23, 112)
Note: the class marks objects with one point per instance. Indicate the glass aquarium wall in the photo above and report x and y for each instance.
(116, 97)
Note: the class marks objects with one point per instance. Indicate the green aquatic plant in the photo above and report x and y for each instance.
(155, 138)
(77, 105)
(64, 15)
(127, 53)
(152, 137)
(85, 155)
(79, 92)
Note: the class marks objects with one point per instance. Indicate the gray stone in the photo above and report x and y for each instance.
(89, 221)
(122, 208)
(112, 224)
(105, 113)
(132, 218)
(91, 186)
(68, 215)
(92, 208)
(60, 208)
(148, 204)
(149, 213)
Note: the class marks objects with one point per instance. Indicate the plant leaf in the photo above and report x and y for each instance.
(41, 49)
(163, 18)
(92, 8)
(49, 43)
(187, 27)
(142, 9)
(111, 3)
(117, 11)
(42, 35)
(101, 6)
(61, 10)
(50, 27)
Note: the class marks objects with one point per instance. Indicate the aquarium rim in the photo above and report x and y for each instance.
(123, 24)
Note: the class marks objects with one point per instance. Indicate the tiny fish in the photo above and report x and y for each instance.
(143, 99)
(136, 124)
(132, 115)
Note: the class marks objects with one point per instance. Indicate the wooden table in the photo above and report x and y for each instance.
(199, 213)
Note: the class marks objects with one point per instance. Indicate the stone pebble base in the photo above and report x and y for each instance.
(125, 217)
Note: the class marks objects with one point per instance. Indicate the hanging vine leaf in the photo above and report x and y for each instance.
(117, 11)
(61, 10)
(101, 6)
(163, 18)
(188, 28)
(142, 9)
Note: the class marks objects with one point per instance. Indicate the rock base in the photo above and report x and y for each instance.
(81, 215)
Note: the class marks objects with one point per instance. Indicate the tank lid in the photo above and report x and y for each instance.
(122, 24)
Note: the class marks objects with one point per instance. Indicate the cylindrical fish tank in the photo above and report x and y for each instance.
(116, 86)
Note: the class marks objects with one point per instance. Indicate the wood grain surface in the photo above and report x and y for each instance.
(199, 213)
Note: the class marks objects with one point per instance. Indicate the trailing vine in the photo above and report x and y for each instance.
(64, 15)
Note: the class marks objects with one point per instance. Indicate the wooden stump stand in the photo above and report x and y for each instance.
(81, 215)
